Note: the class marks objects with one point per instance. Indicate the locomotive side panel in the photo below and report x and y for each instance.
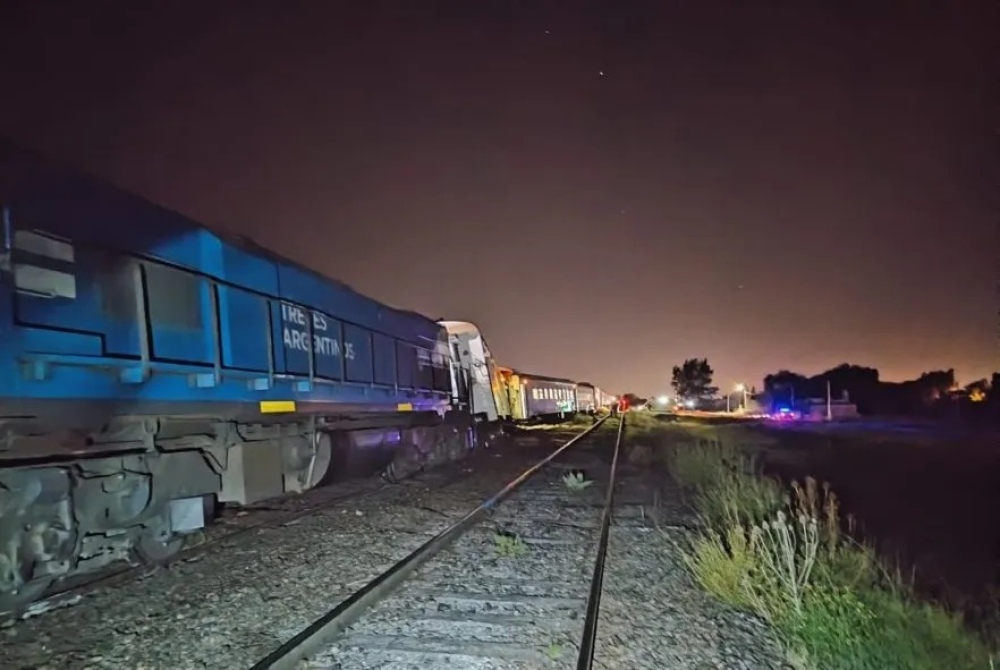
(147, 363)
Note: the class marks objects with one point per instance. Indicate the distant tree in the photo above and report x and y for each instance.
(785, 382)
(864, 388)
(693, 379)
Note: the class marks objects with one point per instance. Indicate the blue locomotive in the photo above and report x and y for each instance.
(151, 368)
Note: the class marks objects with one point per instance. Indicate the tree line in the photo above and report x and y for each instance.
(932, 393)
(935, 392)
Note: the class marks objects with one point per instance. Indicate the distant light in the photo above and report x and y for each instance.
(600, 73)
(689, 404)
(741, 387)
(662, 400)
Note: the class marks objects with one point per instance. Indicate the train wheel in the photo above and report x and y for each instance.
(15, 594)
(320, 466)
(154, 550)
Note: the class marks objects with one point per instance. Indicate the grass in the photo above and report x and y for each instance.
(509, 545)
(576, 481)
(788, 556)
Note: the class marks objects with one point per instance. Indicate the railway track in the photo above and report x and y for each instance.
(238, 525)
(514, 584)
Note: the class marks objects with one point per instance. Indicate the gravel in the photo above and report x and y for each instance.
(653, 615)
(230, 605)
(471, 608)
(477, 607)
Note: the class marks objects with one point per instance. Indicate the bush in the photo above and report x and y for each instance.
(790, 562)
(701, 465)
(725, 483)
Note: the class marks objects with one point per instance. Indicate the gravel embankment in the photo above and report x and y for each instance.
(229, 606)
(232, 604)
(653, 615)
(478, 607)
(475, 609)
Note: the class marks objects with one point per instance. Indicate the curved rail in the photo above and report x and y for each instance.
(331, 624)
(586, 658)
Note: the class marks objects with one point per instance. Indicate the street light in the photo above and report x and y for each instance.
(740, 388)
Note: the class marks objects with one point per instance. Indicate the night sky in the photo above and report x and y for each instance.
(606, 188)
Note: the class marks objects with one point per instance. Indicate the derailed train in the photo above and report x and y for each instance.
(151, 369)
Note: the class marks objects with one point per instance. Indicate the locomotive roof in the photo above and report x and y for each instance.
(23, 166)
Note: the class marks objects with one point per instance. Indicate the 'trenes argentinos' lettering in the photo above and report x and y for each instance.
(295, 333)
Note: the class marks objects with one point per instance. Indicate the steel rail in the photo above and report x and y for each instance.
(326, 628)
(586, 658)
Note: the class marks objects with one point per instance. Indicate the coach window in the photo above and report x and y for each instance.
(174, 297)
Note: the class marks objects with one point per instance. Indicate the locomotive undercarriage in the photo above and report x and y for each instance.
(153, 483)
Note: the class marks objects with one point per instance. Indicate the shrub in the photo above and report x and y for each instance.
(792, 563)
(741, 497)
(725, 483)
(701, 464)
(724, 564)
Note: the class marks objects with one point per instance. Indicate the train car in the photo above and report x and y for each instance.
(586, 397)
(539, 396)
(486, 396)
(150, 368)
(603, 398)
(510, 384)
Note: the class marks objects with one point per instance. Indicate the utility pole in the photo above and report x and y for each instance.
(829, 409)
